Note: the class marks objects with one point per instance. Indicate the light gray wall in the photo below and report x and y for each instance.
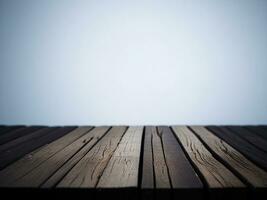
(133, 62)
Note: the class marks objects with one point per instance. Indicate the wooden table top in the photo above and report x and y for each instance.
(148, 162)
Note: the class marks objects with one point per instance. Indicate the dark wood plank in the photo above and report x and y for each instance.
(10, 150)
(2, 128)
(250, 137)
(182, 174)
(87, 171)
(214, 172)
(123, 167)
(147, 168)
(237, 162)
(259, 157)
(162, 179)
(18, 133)
(258, 130)
(31, 161)
(16, 152)
(24, 139)
(7, 129)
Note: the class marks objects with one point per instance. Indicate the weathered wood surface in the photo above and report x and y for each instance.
(122, 169)
(88, 143)
(148, 162)
(162, 179)
(214, 172)
(30, 162)
(182, 174)
(243, 146)
(45, 170)
(14, 152)
(249, 171)
(89, 169)
(163, 158)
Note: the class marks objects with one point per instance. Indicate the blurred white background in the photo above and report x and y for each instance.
(133, 62)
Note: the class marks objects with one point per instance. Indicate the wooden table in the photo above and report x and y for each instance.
(136, 162)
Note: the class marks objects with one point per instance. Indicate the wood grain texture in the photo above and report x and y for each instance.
(250, 172)
(123, 167)
(147, 162)
(87, 171)
(18, 133)
(29, 162)
(243, 146)
(41, 173)
(96, 135)
(214, 172)
(253, 139)
(182, 174)
(162, 179)
(147, 168)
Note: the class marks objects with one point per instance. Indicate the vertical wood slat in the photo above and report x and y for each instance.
(182, 174)
(123, 167)
(147, 168)
(214, 172)
(254, 175)
(160, 166)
